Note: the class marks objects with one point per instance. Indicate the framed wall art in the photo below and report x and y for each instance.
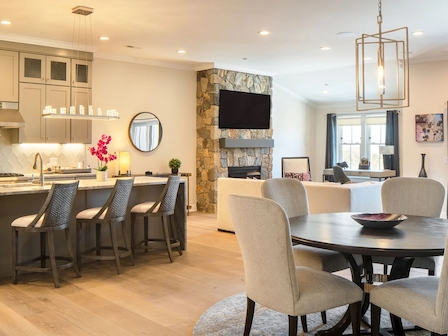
(429, 127)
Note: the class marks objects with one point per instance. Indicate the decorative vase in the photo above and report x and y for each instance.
(174, 170)
(101, 176)
(422, 170)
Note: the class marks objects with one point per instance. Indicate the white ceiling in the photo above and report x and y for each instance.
(224, 34)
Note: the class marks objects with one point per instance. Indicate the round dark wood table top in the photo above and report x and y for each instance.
(414, 237)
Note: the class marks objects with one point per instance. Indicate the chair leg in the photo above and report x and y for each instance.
(173, 232)
(385, 268)
(133, 219)
(43, 252)
(431, 272)
(78, 244)
(15, 253)
(70, 252)
(293, 325)
(126, 242)
(375, 316)
(304, 323)
(145, 231)
(113, 236)
(397, 326)
(167, 236)
(51, 252)
(324, 317)
(250, 308)
(355, 314)
(98, 239)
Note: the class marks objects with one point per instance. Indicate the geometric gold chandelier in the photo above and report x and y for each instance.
(382, 69)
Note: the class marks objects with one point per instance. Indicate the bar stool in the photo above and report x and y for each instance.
(53, 216)
(163, 208)
(112, 212)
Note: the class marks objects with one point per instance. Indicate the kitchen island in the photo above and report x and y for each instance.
(25, 199)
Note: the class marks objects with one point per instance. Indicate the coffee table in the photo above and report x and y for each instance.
(414, 237)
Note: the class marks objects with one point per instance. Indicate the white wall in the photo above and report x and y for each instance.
(428, 92)
(170, 94)
(293, 130)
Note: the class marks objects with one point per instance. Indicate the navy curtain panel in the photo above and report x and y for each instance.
(332, 133)
(392, 161)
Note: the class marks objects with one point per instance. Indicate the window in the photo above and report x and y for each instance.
(360, 136)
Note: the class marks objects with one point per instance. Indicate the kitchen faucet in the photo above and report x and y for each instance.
(41, 168)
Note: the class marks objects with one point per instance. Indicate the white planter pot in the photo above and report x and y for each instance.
(101, 176)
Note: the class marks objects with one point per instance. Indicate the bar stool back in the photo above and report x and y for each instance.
(113, 211)
(163, 208)
(53, 216)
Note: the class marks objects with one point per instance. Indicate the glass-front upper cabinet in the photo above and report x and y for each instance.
(41, 69)
(82, 73)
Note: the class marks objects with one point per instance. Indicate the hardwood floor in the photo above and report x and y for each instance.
(154, 297)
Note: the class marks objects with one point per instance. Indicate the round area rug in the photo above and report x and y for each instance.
(227, 317)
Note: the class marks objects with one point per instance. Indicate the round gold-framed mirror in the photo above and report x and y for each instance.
(145, 131)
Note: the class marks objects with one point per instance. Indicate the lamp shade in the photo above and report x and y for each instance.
(124, 162)
(386, 150)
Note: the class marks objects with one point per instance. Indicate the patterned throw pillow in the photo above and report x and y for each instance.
(299, 176)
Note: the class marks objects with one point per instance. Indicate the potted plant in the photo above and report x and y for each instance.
(103, 156)
(364, 164)
(174, 164)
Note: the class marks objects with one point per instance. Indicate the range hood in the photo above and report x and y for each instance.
(10, 116)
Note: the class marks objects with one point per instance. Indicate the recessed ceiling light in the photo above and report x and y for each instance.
(417, 33)
(263, 32)
(344, 34)
(5, 22)
(104, 38)
(181, 51)
(325, 48)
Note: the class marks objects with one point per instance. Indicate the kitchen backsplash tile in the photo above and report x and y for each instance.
(19, 158)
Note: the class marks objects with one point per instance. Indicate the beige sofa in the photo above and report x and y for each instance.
(323, 197)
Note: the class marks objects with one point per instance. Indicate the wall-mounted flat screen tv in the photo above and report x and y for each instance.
(242, 110)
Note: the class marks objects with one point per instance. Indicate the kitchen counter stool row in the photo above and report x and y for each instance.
(55, 215)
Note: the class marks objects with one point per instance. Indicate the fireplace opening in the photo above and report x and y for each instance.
(245, 172)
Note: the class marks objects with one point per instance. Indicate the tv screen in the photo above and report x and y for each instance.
(242, 110)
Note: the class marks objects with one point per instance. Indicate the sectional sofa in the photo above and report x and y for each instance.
(322, 197)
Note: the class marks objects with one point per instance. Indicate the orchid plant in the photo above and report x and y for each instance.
(101, 152)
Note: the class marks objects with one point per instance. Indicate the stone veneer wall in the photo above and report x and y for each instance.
(211, 160)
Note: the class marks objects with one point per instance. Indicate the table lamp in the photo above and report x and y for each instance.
(386, 150)
(124, 163)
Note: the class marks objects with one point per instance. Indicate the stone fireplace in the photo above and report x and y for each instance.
(217, 149)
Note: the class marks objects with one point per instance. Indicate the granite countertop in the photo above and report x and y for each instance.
(83, 185)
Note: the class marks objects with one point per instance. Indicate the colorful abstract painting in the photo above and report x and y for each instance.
(429, 127)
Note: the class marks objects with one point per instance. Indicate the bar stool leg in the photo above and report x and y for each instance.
(113, 236)
(173, 231)
(15, 253)
(98, 239)
(167, 236)
(145, 228)
(78, 244)
(70, 252)
(126, 243)
(43, 252)
(51, 252)
(133, 220)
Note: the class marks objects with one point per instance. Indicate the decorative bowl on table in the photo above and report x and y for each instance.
(379, 220)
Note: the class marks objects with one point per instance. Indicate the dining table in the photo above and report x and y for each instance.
(414, 237)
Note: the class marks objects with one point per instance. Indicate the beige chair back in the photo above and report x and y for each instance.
(265, 241)
(413, 196)
(289, 193)
(442, 292)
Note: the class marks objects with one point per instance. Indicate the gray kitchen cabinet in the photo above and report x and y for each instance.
(9, 70)
(33, 99)
(42, 69)
(81, 130)
(81, 73)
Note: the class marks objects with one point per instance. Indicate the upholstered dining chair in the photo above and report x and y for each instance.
(339, 175)
(413, 196)
(291, 195)
(271, 277)
(163, 209)
(419, 300)
(112, 212)
(53, 216)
